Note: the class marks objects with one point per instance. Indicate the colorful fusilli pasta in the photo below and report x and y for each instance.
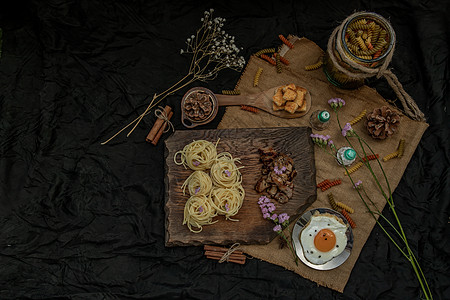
(257, 76)
(370, 157)
(231, 92)
(263, 51)
(354, 168)
(401, 148)
(330, 184)
(345, 206)
(282, 59)
(285, 41)
(249, 108)
(358, 118)
(390, 156)
(332, 202)
(320, 184)
(348, 218)
(315, 66)
(278, 62)
(270, 60)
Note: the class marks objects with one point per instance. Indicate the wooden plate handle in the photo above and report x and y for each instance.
(230, 100)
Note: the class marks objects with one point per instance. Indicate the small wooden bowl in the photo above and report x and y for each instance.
(191, 123)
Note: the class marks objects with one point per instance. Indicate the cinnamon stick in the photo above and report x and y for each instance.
(161, 130)
(237, 261)
(220, 255)
(157, 126)
(220, 249)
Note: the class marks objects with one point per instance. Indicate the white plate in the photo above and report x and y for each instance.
(336, 261)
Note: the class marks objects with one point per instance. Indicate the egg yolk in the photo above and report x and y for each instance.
(325, 240)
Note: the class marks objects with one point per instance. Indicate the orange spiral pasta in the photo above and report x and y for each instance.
(349, 220)
(249, 108)
(354, 168)
(332, 202)
(270, 60)
(285, 41)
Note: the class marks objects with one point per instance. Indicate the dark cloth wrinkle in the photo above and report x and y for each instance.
(79, 220)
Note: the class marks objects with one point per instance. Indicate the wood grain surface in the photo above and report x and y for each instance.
(244, 144)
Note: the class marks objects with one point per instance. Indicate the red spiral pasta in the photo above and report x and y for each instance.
(370, 157)
(320, 184)
(285, 41)
(349, 220)
(249, 108)
(330, 184)
(271, 61)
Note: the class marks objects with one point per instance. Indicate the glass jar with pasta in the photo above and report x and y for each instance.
(364, 39)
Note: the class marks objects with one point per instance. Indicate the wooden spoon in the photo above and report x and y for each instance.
(262, 100)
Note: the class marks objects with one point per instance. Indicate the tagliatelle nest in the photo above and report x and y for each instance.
(382, 122)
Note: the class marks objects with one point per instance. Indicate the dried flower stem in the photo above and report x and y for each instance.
(212, 51)
(409, 255)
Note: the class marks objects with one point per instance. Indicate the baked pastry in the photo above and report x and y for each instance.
(291, 106)
(278, 98)
(290, 98)
(289, 95)
(277, 108)
(302, 108)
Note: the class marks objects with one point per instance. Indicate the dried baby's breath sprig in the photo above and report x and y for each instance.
(212, 50)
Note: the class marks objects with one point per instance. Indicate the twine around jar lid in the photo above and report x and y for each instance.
(409, 105)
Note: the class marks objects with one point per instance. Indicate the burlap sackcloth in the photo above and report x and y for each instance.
(306, 52)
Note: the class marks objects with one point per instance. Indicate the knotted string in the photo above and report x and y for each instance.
(161, 114)
(410, 106)
(227, 254)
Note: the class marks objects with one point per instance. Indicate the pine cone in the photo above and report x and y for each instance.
(382, 122)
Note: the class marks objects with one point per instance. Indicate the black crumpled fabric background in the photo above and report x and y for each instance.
(79, 220)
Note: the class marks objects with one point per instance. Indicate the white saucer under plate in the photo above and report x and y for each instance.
(336, 261)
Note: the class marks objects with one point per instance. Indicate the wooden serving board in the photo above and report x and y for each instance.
(244, 144)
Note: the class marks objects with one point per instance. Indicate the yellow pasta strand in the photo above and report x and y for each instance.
(257, 75)
(345, 206)
(390, 156)
(354, 168)
(358, 118)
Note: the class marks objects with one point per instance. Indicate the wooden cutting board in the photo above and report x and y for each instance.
(244, 144)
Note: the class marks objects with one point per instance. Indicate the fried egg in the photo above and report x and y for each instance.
(323, 238)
